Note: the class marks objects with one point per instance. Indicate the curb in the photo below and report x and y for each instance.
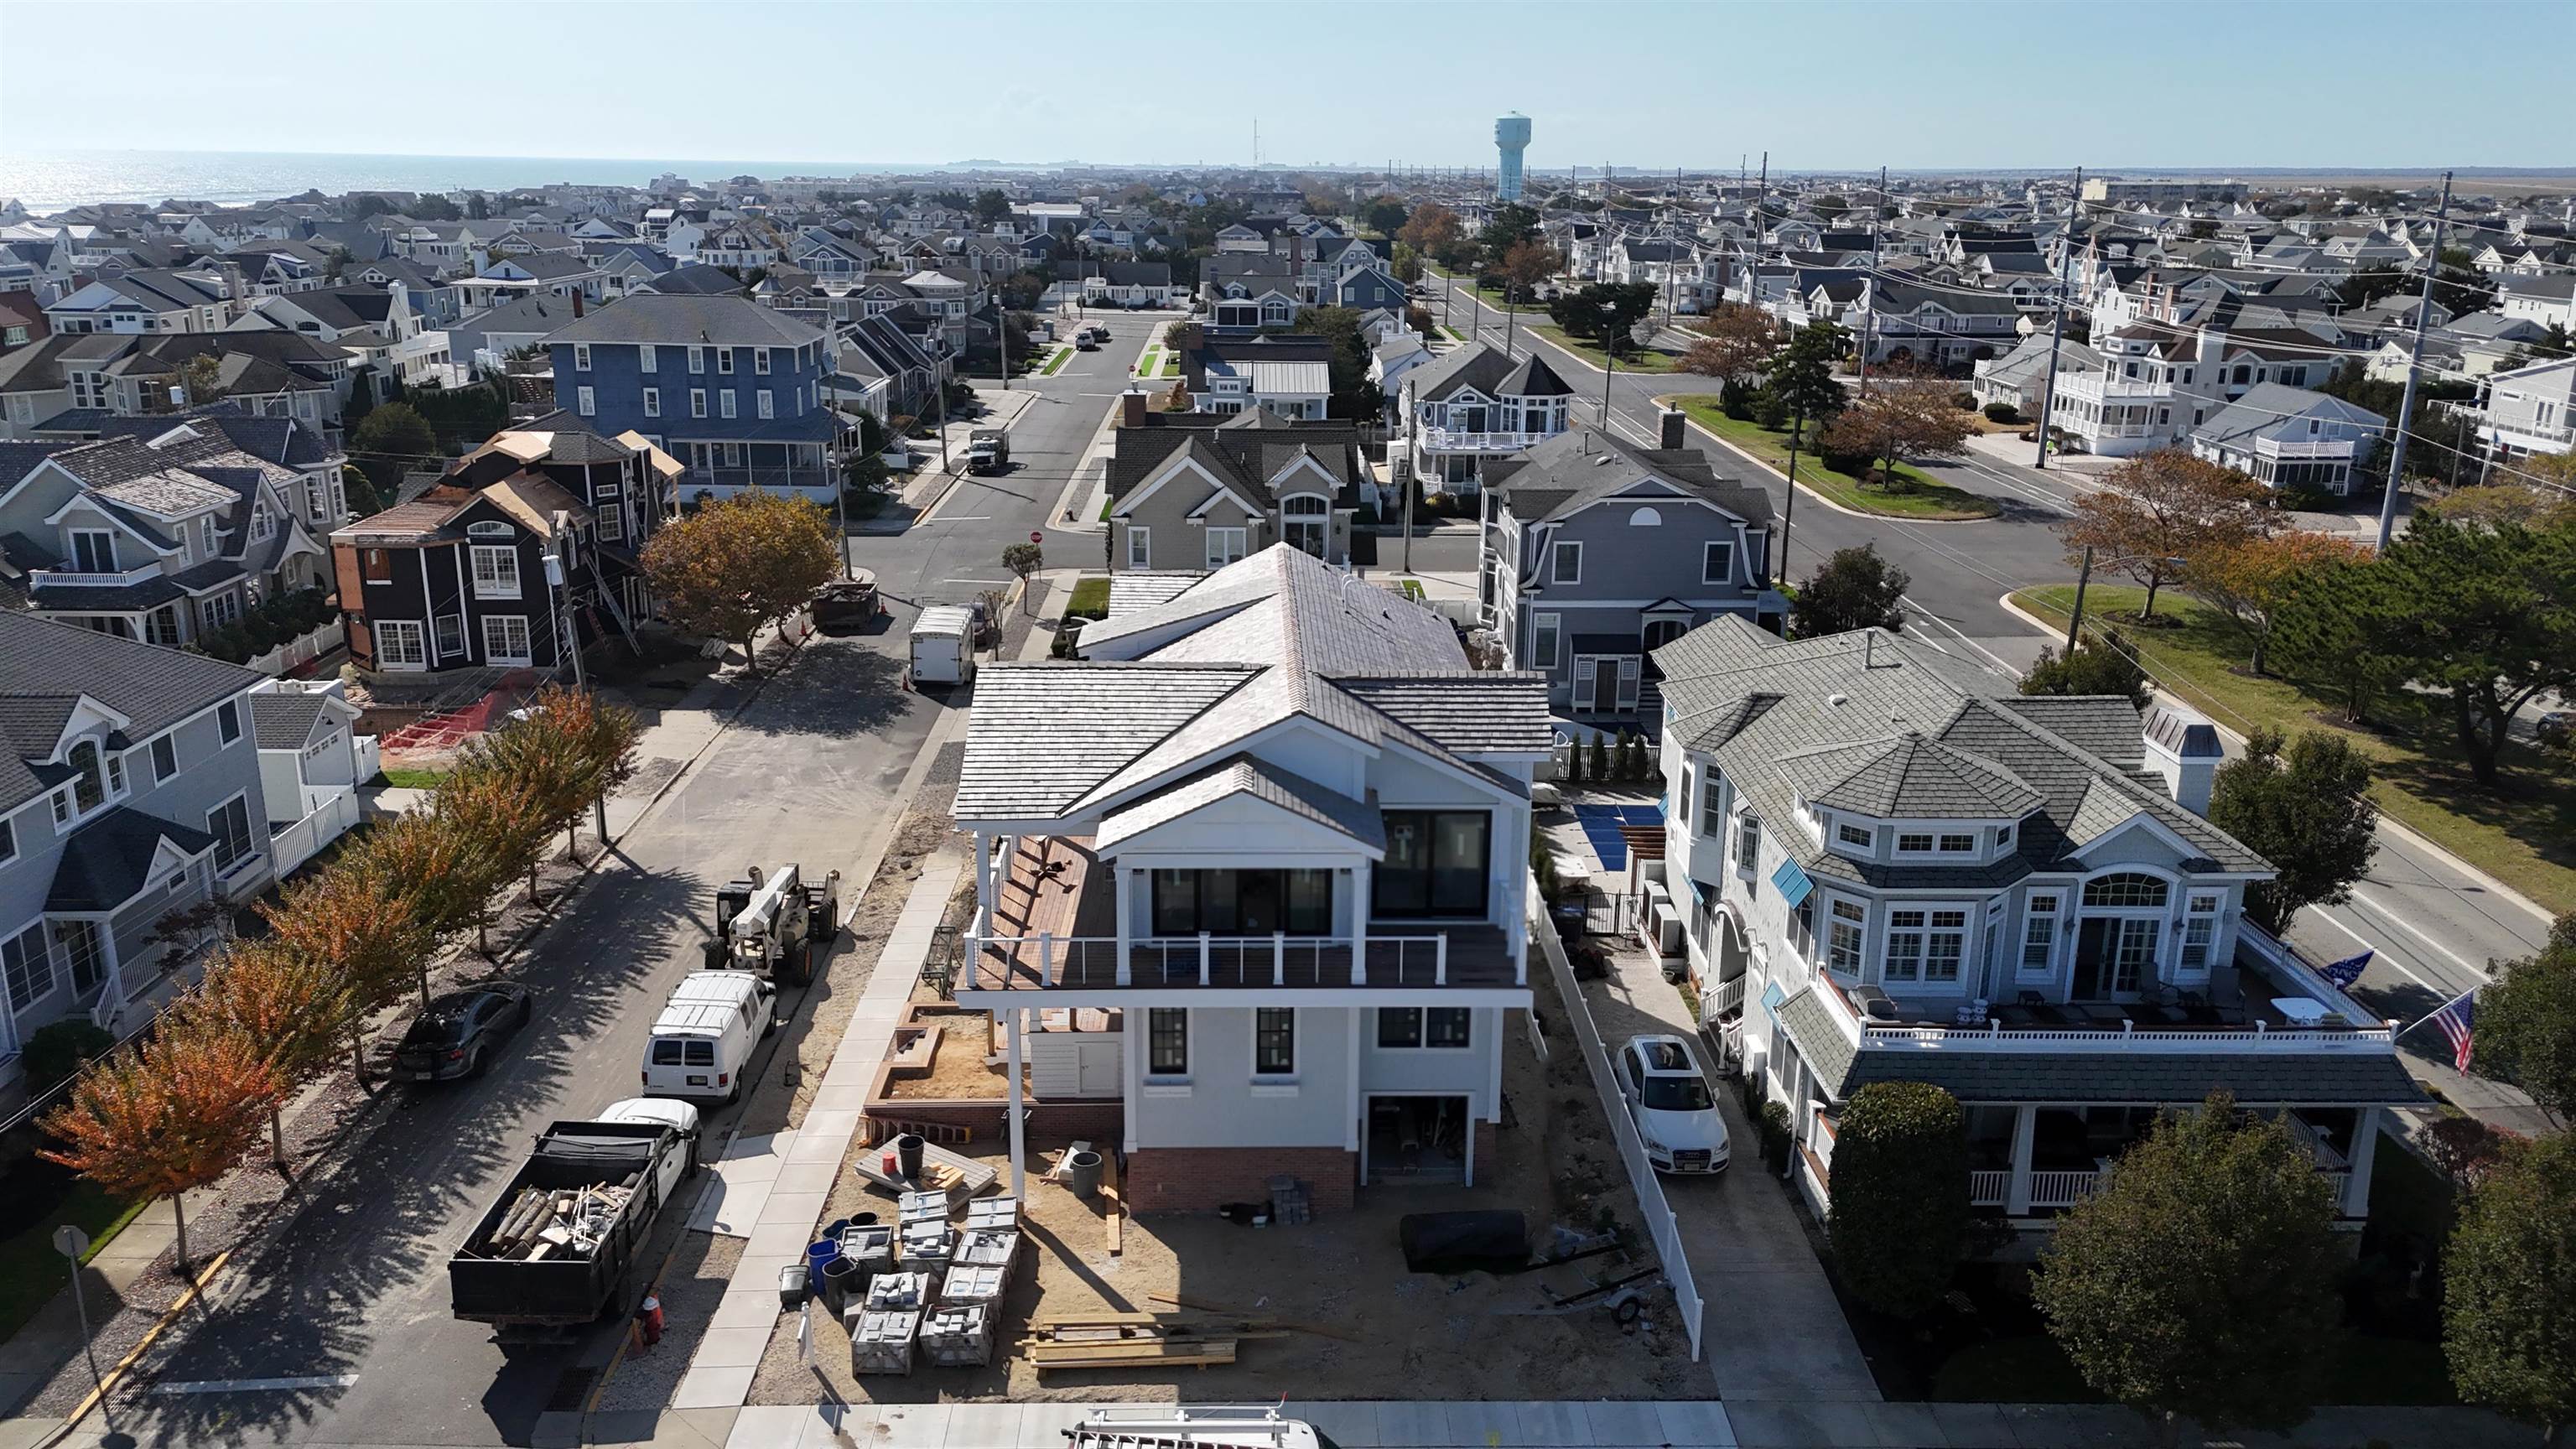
(1844, 509)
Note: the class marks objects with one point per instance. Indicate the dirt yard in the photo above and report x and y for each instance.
(957, 1069)
(1386, 1333)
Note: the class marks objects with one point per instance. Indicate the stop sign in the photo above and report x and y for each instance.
(1036, 537)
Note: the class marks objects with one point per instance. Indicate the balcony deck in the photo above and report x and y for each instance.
(1054, 927)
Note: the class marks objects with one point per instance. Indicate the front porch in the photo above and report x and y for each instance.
(1055, 921)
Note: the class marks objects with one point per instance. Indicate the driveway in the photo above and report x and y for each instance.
(1772, 1328)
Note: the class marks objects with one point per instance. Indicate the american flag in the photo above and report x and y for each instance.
(2453, 1019)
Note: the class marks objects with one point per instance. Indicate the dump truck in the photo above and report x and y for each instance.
(988, 450)
(770, 924)
(552, 1253)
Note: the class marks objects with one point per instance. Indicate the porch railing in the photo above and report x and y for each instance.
(334, 817)
(2062, 1188)
(1989, 1187)
(1456, 441)
(1036, 962)
(1722, 999)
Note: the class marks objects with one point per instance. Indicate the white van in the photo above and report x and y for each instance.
(943, 645)
(704, 1036)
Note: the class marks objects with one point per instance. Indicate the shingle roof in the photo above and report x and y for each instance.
(107, 861)
(1042, 735)
(722, 321)
(1908, 775)
(43, 664)
(284, 720)
(1244, 775)
(1470, 711)
(1484, 368)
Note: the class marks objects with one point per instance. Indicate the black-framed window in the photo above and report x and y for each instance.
(1444, 1028)
(1167, 1042)
(1436, 863)
(1243, 902)
(1274, 1041)
(1717, 562)
(228, 721)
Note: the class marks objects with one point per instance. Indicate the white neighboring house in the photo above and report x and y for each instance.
(1474, 404)
(1276, 826)
(2531, 410)
(2548, 299)
(1879, 877)
(311, 762)
(2289, 437)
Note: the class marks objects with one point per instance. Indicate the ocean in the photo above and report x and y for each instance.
(45, 181)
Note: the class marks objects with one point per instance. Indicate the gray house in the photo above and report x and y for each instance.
(1597, 551)
(130, 789)
(1469, 407)
(1193, 492)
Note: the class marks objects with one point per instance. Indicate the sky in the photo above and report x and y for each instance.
(1822, 86)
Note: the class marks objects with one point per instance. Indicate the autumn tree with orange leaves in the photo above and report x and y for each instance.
(740, 563)
(2249, 579)
(573, 749)
(172, 1116)
(289, 1005)
(1734, 342)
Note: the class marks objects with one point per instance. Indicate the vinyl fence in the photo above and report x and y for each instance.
(1661, 1225)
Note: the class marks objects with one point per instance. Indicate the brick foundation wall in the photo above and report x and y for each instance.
(1103, 1123)
(1197, 1179)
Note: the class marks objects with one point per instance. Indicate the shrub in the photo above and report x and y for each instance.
(57, 1051)
(1775, 1136)
(1899, 1218)
(2002, 413)
(1965, 402)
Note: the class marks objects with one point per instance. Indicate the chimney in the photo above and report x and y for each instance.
(1131, 408)
(576, 304)
(2182, 746)
(1668, 429)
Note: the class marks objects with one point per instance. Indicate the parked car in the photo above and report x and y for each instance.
(457, 1033)
(2555, 730)
(1672, 1105)
(1099, 331)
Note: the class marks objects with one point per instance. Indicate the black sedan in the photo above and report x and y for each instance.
(456, 1034)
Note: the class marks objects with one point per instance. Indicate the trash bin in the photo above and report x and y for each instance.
(817, 1257)
(791, 1284)
(907, 1156)
(1082, 1173)
(840, 1277)
(1569, 918)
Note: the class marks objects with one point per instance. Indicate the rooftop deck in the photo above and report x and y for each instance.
(1054, 927)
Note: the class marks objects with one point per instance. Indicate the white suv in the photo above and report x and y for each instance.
(1671, 1104)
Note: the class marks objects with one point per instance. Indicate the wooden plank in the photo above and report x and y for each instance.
(1112, 1220)
(1198, 1305)
(1120, 1356)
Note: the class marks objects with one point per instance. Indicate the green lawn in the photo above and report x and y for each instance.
(2523, 833)
(1644, 359)
(1172, 365)
(1055, 363)
(31, 1272)
(1090, 599)
(1454, 334)
(1928, 499)
(406, 779)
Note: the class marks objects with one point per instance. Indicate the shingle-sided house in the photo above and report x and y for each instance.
(1277, 830)
(1198, 491)
(2289, 437)
(130, 789)
(1475, 404)
(1597, 552)
(2530, 410)
(1878, 875)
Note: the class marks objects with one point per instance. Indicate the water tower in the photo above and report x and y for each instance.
(1511, 138)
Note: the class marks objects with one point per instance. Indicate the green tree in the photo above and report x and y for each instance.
(478, 207)
(1384, 215)
(1829, 207)
(2335, 628)
(1023, 559)
(2527, 1022)
(2303, 805)
(430, 206)
(1407, 264)
(991, 207)
(1600, 758)
(201, 379)
(1800, 380)
(1899, 1214)
(1605, 312)
(2157, 510)
(2199, 1281)
(1353, 395)
(1509, 226)
(393, 437)
(2509, 1284)
(2493, 624)
(1853, 589)
(739, 564)
(364, 500)
(2103, 665)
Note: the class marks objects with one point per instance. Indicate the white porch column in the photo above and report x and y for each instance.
(1360, 890)
(1126, 898)
(2365, 1147)
(1019, 1113)
(2017, 1195)
(1131, 1069)
(983, 884)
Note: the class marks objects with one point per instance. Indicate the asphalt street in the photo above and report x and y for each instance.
(954, 550)
(348, 1300)
(2433, 924)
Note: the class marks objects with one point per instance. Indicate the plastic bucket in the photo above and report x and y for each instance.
(1082, 1173)
(832, 1230)
(907, 1152)
(817, 1257)
(839, 1276)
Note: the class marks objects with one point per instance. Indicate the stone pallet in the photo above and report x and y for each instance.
(881, 1341)
(958, 1335)
(899, 1291)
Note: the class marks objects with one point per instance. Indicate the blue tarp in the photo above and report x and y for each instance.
(1601, 828)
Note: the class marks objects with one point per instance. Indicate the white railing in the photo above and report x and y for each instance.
(77, 578)
(303, 840)
(1445, 440)
(2094, 384)
(370, 756)
(2274, 448)
(1994, 1036)
(295, 653)
(2292, 970)
(1053, 961)
(1664, 1228)
(1724, 997)
(2062, 1189)
(1989, 1187)
(1045, 960)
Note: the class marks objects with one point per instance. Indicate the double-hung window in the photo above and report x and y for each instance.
(1748, 841)
(724, 360)
(1140, 547)
(760, 361)
(581, 357)
(1274, 1041)
(1717, 562)
(724, 403)
(1946, 946)
(763, 404)
(1712, 789)
(165, 758)
(1543, 640)
(2199, 930)
(1904, 960)
(644, 359)
(2038, 935)
(496, 571)
(585, 402)
(697, 360)
(1565, 564)
(652, 402)
(697, 402)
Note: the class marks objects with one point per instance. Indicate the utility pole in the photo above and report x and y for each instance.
(1609, 370)
(1789, 513)
(2057, 327)
(2075, 620)
(1411, 484)
(2414, 368)
(1870, 338)
(831, 473)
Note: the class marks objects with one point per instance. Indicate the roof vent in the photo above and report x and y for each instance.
(1837, 701)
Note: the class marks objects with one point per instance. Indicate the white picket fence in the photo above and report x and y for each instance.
(303, 840)
(1664, 1228)
(370, 755)
(296, 652)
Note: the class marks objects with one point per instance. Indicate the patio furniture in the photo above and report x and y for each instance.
(2041, 1010)
(2300, 1010)
(2103, 1015)
(2015, 1016)
(2197, 1010)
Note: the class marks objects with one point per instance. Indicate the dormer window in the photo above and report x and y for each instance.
(1958, 844)
(1859, 837)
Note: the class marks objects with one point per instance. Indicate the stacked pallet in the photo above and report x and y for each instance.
(907, 1291)
(543, 1222)
(1290, 1201)
(1134, 1340)
(958, 1335)
(881, 1340)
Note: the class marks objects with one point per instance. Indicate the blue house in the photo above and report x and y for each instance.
(733, 390)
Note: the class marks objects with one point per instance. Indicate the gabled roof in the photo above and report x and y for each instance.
(1585, 466)
(45, 665)
(1908, 776)
(1484, 369)
(676, 321)
(108, 861)
(1249, 778)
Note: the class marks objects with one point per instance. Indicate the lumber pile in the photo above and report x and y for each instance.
(542, 1223)
(1130, 1340)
